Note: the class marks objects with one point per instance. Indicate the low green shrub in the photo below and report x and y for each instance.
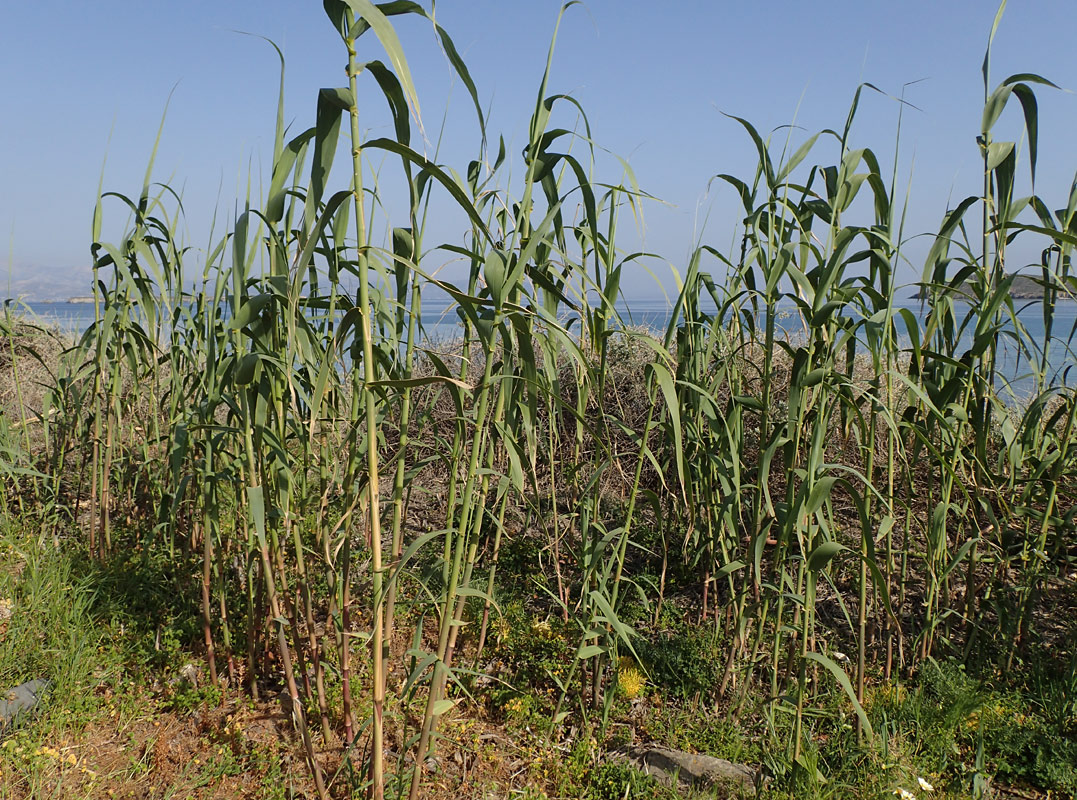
(682, 663)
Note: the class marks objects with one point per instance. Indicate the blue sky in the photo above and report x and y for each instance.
(88, 81)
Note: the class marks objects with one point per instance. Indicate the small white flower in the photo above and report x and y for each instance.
(927, 787)
(904, 794)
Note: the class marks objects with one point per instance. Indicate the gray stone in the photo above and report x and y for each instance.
(22, 699)
(693, 769)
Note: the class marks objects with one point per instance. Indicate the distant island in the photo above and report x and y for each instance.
(82, 299)
(1022, 288)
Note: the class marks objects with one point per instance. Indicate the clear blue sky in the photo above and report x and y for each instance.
(82, 81)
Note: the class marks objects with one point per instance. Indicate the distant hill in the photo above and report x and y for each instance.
(1022, 288)
(35, 283)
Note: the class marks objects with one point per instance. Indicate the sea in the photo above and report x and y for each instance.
(440, 323)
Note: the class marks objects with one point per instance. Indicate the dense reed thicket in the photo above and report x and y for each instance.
(348, 484)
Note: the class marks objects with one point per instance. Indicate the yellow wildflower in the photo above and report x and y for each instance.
(630, 678)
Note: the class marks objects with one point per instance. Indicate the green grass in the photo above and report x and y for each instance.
(114, 651)
(52, 632)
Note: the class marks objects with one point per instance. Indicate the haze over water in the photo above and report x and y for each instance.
(440, 323)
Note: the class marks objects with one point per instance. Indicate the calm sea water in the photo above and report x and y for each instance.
(441, 322)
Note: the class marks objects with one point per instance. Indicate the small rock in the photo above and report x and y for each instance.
(22, 699)
(696, 770)
(190, 673)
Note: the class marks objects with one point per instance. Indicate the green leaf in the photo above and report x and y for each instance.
(256, 505)
(441, 706)
(997, 152)
(245, 369)
(822, 555)
(959, 556)
(753, 403)
(669, 394)
(986, 69)
(326, 134)
(394, 95)
(383, 29)
(429, 380)
(249, 310)
(495, 271)
(438, 174)
(820, 493)
(282, 169)
(843, 681)
(732, 566)
(624, 632)
(590, 651)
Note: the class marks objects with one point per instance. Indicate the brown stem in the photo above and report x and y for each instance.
(207, 624)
